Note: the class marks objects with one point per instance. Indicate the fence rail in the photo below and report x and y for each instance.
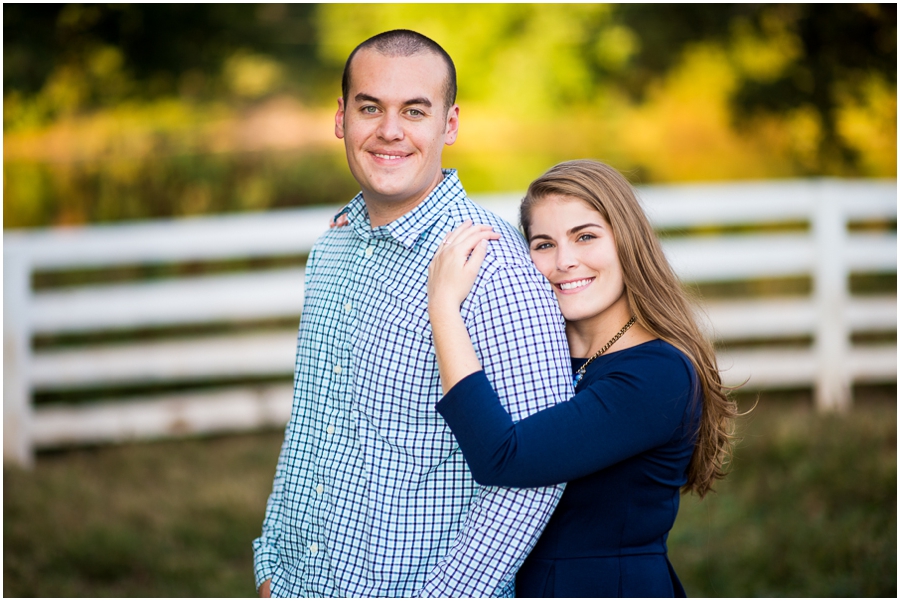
(824, 248)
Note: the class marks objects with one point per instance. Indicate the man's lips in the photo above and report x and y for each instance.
(573, 286)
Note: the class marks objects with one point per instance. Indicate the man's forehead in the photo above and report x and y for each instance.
(373, 57)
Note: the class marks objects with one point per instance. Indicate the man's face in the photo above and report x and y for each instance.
(394, 127)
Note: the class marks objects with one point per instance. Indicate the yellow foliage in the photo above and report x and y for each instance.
(764, 58)
(252, 75)
(869, 125)
(683, 132)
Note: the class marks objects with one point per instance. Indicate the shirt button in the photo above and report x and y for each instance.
(337, 369)
(313, 549)
(369, 251)
(320, 489)
(330, 429)
(348, 307)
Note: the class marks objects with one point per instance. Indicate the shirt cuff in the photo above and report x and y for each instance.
(265, 558)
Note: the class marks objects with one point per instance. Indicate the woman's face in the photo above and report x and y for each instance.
(573, 246)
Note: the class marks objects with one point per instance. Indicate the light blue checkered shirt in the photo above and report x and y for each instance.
(372, 496)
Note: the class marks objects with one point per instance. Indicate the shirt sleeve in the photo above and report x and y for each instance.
(265, 547)
(519, 337)
(626, 412)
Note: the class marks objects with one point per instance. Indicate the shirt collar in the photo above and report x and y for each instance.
(409, 227)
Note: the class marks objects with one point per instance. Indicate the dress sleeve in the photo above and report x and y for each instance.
(625, 412)
(519, 337)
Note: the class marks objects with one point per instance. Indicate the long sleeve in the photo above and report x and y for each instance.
(266, 547)
(519, 336)
(638, 403)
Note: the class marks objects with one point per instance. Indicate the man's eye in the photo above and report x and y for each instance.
(369, 109)
(415, 113)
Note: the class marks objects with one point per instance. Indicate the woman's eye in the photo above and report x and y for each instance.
(586, 237)
(541, 246)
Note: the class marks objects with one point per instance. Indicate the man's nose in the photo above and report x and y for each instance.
(390, 127)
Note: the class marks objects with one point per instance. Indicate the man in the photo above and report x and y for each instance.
(372, 496)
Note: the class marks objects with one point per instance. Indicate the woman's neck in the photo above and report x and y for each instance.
(587, 336)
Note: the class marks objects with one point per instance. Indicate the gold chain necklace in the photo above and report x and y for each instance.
(580, 373)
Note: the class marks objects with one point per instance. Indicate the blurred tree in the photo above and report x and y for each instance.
(82, 56)
(829, 55)
(168, 105)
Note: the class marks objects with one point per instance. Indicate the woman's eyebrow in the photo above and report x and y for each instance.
(578, 228)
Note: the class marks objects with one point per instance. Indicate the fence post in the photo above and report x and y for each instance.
(17, 446)
(830, 291)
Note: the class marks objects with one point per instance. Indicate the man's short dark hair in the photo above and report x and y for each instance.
(403, 42)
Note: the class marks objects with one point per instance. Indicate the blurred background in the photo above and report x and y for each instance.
(133, 112)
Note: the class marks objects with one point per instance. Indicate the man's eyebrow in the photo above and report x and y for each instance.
(363, 97)
(422, 101)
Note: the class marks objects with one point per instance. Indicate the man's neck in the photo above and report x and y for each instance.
(384, 212)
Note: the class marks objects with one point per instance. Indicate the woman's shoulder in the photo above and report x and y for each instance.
(656, 349)
(653, 380)
(656, 360)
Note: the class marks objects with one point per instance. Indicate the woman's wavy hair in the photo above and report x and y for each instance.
(654, 295)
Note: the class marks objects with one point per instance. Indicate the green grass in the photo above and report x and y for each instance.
(151, 520)
(809, 510)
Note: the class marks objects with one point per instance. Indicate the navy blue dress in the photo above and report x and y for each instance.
(623, 443)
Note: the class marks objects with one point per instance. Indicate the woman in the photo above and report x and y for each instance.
(649, 418)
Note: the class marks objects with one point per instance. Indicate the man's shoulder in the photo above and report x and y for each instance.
(479, 214)
(511, 249)
(507, 271)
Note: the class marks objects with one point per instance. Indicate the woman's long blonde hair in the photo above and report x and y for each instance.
(654, 295)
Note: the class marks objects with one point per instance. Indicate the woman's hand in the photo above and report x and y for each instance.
(455, 265)
(341, 221)
(450, 278)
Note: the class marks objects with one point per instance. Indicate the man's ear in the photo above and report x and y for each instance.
(452, 125)
(339, 120)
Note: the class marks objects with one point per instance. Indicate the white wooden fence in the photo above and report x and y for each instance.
(827, 251)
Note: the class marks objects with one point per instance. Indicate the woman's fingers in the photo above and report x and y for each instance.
(455, 265)
(469, 240)
(467, 235)
(451, 237)
(341, 221)
(477, 256)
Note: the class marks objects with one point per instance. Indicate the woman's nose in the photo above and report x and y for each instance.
(565, 260)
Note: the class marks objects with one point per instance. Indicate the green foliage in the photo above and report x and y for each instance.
(808, 510)
(61, 59)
